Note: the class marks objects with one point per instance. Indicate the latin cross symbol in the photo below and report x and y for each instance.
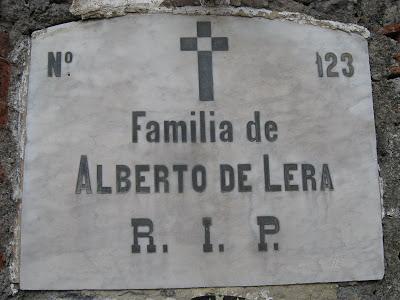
(205, 44)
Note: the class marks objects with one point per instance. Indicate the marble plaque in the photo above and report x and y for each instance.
(175, 151)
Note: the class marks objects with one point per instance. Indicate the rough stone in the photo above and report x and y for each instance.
(4, 86)
(3, 175)
(394, 72)
(2, 258)
(88, 12)
(180, 3)
(392, 30)
(391, 14)
(107, 8)
(298, 292)
(396, 84)
(4, 44)
(4, 77)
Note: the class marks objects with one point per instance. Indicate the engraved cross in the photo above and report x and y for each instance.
(204, 44)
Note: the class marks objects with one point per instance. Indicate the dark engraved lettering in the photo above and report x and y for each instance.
(174, 125)
(270, 127)
(226, 135)
(193, 129)
(267, 180)
(347, 57)
(307, 174)
(180, 169)
(326, 180)
(288, 177)
(122, 174)
(68, 57)
(276, 247)
(227, 169)
(147, 223)
(242, 177)
(253, 128)
(212, 129)
(100, 188)
(199, 186)
(262, 222)
(207, 246)
(153, 135)
(139, 179)
(161, 176)
(54, 64)
(333, 58)
(83, 181)
(135, 126)
(202, 130)
(203, 137)
(319, 65)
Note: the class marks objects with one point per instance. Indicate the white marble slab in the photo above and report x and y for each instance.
(135, 63)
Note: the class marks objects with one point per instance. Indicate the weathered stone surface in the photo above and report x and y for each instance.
(4, 85)
(3, 175)
(2, 256)
(392, 30)
(92, 10)
(78, 241)
(4, 77)
(111, 8)
(298, 292)
(4, 44)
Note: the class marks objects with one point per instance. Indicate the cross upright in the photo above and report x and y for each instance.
(204, 44)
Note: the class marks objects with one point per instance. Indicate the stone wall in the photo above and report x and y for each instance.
(19, 18)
